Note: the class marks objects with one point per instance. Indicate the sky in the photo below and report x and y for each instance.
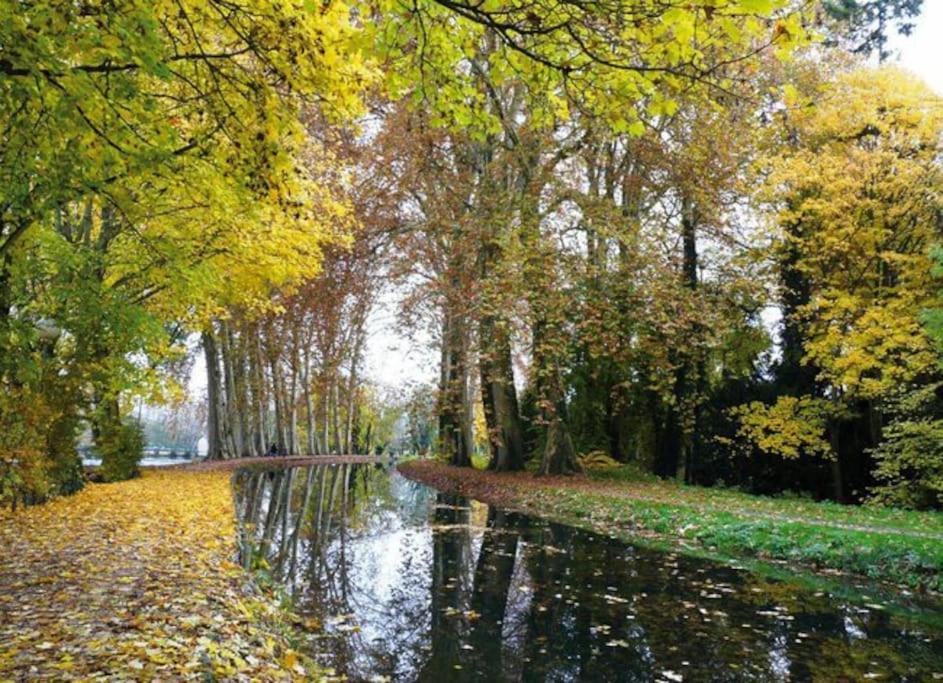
(396, 360)
(922, 51)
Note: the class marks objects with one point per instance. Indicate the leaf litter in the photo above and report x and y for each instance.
(137, 580)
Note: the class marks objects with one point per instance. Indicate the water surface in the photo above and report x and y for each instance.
(157, 461)
(400, 582)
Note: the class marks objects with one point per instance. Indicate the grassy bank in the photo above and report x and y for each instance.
(899, 546)
(137, 581)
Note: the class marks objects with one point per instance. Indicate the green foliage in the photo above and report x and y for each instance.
(121, 447)
(909, 459)
(910, 465)
(933, 317)
(589, 58)
(65, 464)
(631, 472)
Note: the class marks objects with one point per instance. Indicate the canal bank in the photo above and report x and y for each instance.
(900, 547)
(352, 570)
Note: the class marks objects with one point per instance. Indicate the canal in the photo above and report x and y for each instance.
(397, 581)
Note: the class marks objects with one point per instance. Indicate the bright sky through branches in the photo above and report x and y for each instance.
(922, 51)
(395, 360)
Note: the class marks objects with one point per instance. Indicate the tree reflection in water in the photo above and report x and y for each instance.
(411, 584)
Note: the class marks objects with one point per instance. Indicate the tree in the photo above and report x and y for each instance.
(865, 24)
(148, 152)
(852, 187)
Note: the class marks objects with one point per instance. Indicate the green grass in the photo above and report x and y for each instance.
(646, 485)
(703, 517)
(913, 561)
(744, 555)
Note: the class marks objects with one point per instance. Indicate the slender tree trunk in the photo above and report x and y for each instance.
(292, 440)
(277, 397)
(311, 426)
(213, 389)
(326, 402)
(351, 402)
(336, 419)
(232, 416)
(294, 446)
(259, 397)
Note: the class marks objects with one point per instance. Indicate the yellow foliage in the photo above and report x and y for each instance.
(136, 580)
(859, 191)
(791, 427)
(597, 460)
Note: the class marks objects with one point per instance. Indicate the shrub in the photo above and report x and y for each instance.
(910, 465)
(65, 465)
(121, 446)
(909, 459)
(24, 476)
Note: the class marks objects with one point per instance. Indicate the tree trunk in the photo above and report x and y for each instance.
(278, 404)
(454, 424)
(351, 401)
(838, 480)
(233, 419)
(259, 397)
(214, 442)
(499, 399)
(559, 455)
(326, 402)
(336, 420)
(311, 426)
(690, 378)
(796, 377)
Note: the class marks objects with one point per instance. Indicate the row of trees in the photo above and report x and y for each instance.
(549, 171)
(154, 170)
(735, 288)
(293, 377)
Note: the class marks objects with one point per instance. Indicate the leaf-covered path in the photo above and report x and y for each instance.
(135, 581)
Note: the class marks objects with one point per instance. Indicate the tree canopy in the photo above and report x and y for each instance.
(593, 210)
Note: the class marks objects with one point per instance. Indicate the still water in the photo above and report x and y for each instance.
(399, 582)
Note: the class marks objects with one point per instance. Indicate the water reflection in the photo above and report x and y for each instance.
(410, 584)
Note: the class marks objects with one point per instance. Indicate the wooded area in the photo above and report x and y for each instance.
(701, 237)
